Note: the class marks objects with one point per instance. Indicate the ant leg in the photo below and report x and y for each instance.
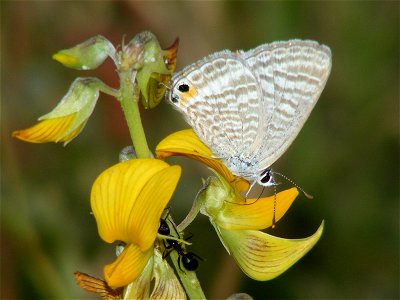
(179, 263)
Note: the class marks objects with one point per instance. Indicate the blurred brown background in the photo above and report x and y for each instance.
(347, 154)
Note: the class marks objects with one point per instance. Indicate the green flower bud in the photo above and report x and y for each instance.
(80, 98)
(152, 72)
(154, 66)
(156, 73)
(87, 55)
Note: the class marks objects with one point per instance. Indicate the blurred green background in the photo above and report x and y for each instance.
(347, 154)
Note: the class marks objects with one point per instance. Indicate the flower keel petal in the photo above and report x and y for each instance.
(262, 256)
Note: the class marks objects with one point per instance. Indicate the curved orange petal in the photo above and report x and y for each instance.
(255, 213)
(127, 267)
(151, 202)
(49, 130)
(186, 143)
(128, 199)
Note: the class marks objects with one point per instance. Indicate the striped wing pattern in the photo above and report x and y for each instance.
(248, 107)
(292, 76)
(224, 104)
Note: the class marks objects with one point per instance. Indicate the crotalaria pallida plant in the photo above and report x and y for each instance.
(129, 200)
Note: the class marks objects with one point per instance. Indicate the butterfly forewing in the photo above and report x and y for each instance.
(292, 76)
(224, 105)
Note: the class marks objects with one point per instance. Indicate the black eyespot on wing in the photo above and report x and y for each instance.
(183, 88)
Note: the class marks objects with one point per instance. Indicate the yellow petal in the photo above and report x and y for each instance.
(166, 285)
(186, 143)
(49, 130)
(65, 59)
(127, 267)
(151, 202)
(256, 213)
(128, 199)
(262, 256)
(87, 55)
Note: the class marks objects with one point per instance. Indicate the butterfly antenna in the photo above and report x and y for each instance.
(292, 182)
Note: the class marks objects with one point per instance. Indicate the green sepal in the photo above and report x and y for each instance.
(81, 99)
(152, 74)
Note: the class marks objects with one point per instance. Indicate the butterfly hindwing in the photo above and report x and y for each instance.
(291, 76)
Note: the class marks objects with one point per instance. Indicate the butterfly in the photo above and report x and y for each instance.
(249, 106)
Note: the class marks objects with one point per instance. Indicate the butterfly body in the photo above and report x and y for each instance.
(248, 107)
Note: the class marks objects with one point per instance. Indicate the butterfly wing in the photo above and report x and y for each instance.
(291, 76)
(221, 100)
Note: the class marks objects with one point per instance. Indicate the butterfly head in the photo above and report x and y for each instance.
(266, 178)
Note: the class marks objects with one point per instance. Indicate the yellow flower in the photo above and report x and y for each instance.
(68, 118)
(261, 256)
(127, 201)
(236, 220)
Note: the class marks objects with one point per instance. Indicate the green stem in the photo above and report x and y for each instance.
(104, 88)
(188, 278)
(129, 98)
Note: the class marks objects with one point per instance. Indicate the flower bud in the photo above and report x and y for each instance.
(68, 118)
(158, 66)
(88, 55)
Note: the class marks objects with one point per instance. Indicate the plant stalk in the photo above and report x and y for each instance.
(129, 99)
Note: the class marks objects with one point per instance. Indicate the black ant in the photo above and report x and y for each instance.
(189, 260)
